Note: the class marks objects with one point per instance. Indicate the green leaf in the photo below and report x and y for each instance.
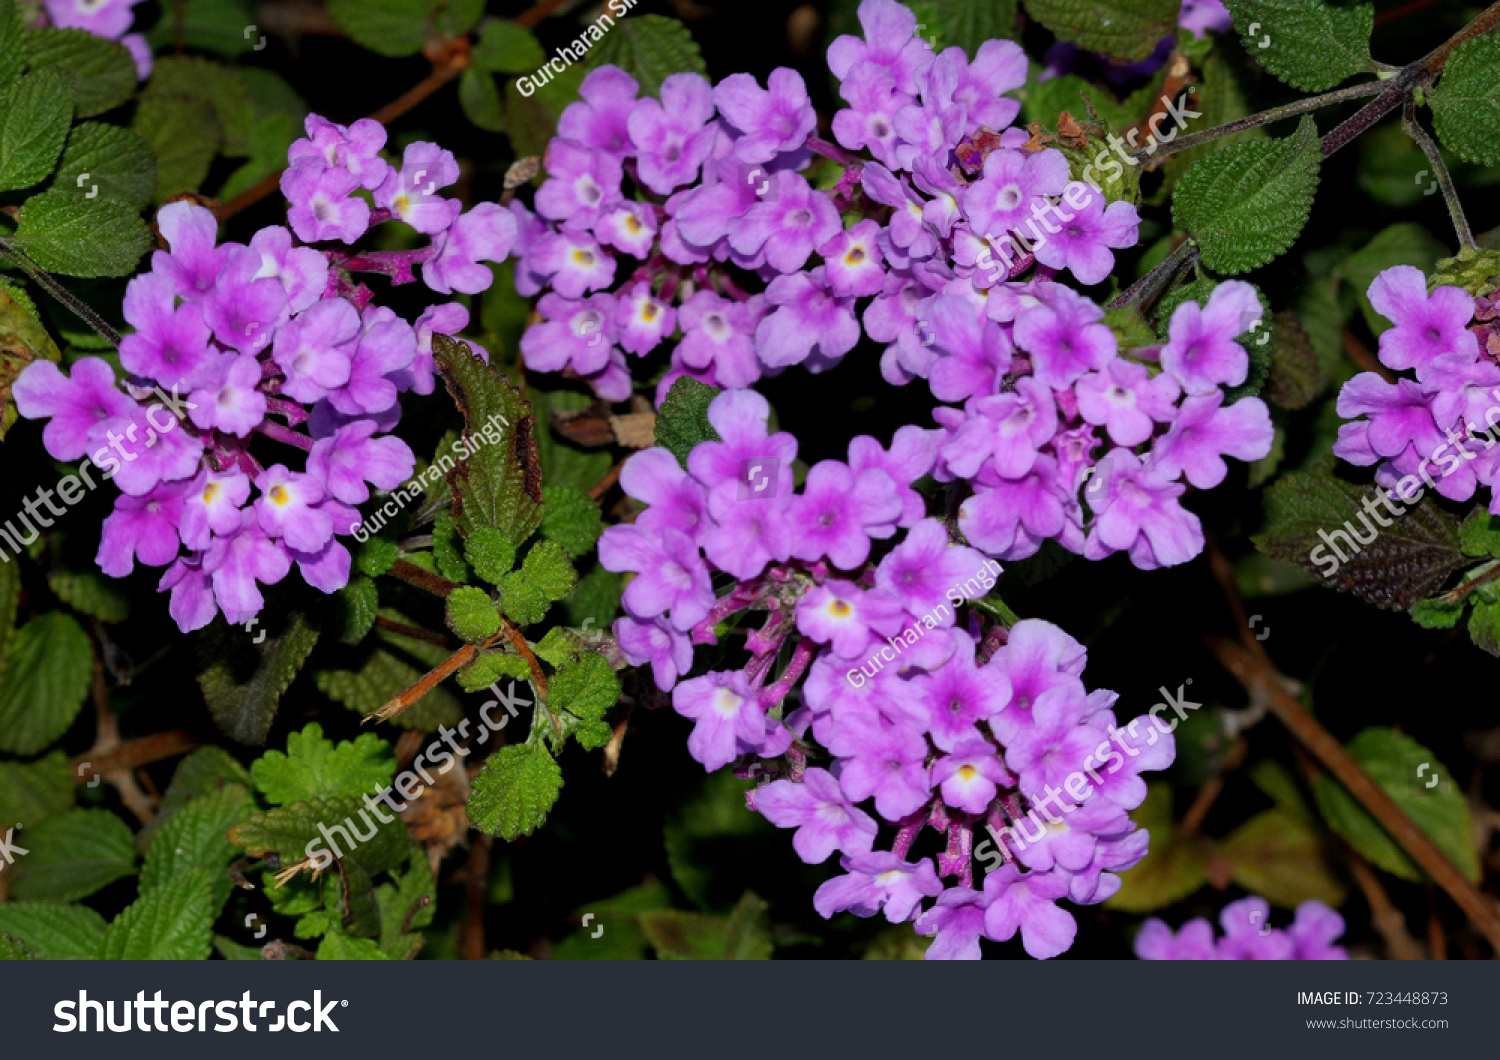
(1125, 29)
(270, 137)
(184, 136)
(104, 74)
(10, 571)
(490, 553)
(376, 556)
(358, 603)
(1309, 44)
(243, 681)
(480, 98)
(682, 420)
(223, 26)
(571, 518)
(195, 839)
(46, 678)
(445, 549)
(90, 592)
(71, 856)
(81, 237)
(173, 922)
(53, 931)
(563, 463)
(1466, 102)
(207, 82)
(1281, 858)
(744, 935)
(406, 906)
(514, 791)
(454, 18)
(498, 484)
(22, 340)
(1173, 868)
(1472, 269)
(1484, 624)
(337, 946)
(545, 576)
(293, 832)
(472, 614)
(203, 772)
(12, 42)
(386, 27)
(314, 767)
(1406, 561)
(31, 792)
(1296, 373)
(1479, 534)
(1247, 203)
(1403, 768)
(491, 667)
(1437, 613)
(35, 112)
(506, 47)
(650, 48)
(966, 23)
(587, 687)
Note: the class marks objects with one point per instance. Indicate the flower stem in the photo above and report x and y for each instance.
(44, 280)
(1440, 168)
(1144, 289)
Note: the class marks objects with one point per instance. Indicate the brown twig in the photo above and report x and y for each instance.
(1253, 668)
(603, 486)
(1364, 358)
(132, 754)
(411, 574)
(534, 14)
(413, 632)
(476, 877)
(428, 681)
(1209, 793)
(1383, 912)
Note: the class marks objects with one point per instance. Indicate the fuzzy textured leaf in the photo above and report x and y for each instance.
(76, 236)
(195, 839)
(54, 931)
(106, 160)
(46, 678)
(35, 111)
(71, 856)
(514, 791)
(104, 74)
(649, 48)
(173, 922)
(472, 615)
(587, 687)
(571, 518)
(1125, 29)
(1309, 44)
(1247, 203)
(682, 420)
(499, 484)
(314, 767)
(1408, 560)
(243, 681)
(1466, 102)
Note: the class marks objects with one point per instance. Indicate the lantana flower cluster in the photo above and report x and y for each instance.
(658, 219)
(110, 19)
(927, 720)
(1248, 936)
(1434, 428)
(273, 343)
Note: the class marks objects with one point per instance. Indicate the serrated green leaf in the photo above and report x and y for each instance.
(46, 678)
(1404, 562)
(243, 681)
(316, 768)
(1437, 613)
(173, 922)
(559, 646)
(1479, 534)
(571, 518)
(1247, 203)
(92, 593)
(12, 42)
(22, 340)
(405, 907)
(490, 553)
(1395, 762)
(386, 27)
(446, 545)
(337, 946)
(1484, 624)
(966, 23)
(490, 668)
(507, 47)
(204, 771)
(195, 839)
(54, 931)
(587, 687)
(545, 576)
(76, 236)
(306, 829)
(35, 112)
(650, 48)
(376, 556)
(498, 483)
(71, 856)
(514, 791)
(1309, 44)
(31, 792)
(207, 82)
(479, 97)
(357, 606)
(1466, 102)
(183, 135)
(682, 420)
(104, 74)
(472, 615)
(1125, 29)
